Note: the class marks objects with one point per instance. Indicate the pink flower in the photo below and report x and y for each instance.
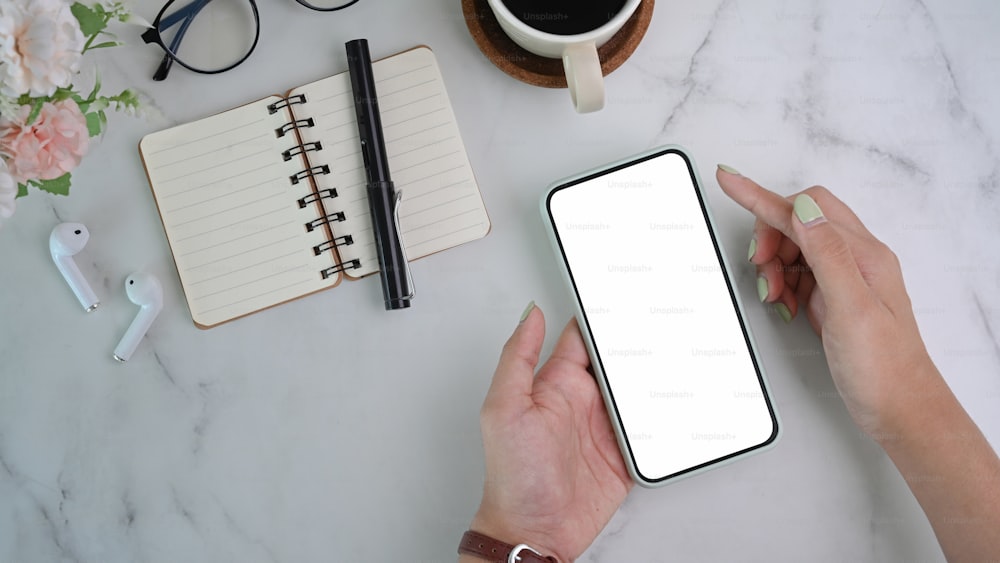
(40, 46)
(51, 146)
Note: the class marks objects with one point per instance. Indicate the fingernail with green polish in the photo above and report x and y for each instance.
(527, 311)
(753, 248)
(783, 312)
(729, 170)
(762, 288)
(807, 210)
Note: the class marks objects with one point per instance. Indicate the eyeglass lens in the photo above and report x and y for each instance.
(209, 35)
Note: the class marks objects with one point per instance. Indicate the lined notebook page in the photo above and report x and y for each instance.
(441, 205)
(231, 213)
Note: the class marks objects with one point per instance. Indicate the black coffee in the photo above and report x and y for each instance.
(565, 17)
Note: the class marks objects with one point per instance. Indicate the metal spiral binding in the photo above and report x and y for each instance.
(349, 265)
(285, 102)
(319, 194)
(331, 218)
(314, 171)
(299, 149)
(291, 125)
(314, 197)
(331, 244)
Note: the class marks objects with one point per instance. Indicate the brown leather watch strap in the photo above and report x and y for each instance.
(485, 547)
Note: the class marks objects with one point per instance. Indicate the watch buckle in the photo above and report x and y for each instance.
(515, 553)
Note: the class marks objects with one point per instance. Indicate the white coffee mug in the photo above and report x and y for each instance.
(578, 52)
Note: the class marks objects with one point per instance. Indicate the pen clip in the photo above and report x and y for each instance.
(402, 246)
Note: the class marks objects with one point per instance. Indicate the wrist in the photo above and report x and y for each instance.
(506, 530)
(914, 404)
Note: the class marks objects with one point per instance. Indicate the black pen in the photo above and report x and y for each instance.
(383, 199)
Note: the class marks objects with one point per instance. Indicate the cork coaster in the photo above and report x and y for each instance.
(542, 71)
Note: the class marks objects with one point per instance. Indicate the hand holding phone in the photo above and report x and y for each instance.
(554, 474)
(658, 310)
(534, 447)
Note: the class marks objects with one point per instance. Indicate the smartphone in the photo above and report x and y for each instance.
(656, 303)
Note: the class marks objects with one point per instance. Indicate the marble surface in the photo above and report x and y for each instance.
(316, 430)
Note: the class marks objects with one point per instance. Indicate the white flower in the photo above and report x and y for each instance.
(123, 11)
(40, 46)
(8, 192)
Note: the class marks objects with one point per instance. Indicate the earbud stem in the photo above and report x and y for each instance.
(70, 271)
(134, 335)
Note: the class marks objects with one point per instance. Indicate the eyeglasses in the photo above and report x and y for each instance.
(220, 34)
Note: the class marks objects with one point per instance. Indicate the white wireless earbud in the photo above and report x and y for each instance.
(145, 291)
(65, 241)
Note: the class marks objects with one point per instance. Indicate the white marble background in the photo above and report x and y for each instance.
(330, 430)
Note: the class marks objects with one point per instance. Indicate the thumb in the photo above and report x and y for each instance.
(515, 374)
(829, 256)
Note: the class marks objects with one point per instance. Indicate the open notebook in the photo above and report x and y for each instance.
(265, 203)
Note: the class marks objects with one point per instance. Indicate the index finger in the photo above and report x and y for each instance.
(766, 205)
(776, 210)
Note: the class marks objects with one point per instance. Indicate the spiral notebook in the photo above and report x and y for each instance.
(265, 203)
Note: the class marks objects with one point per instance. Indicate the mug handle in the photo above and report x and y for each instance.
(584, 76)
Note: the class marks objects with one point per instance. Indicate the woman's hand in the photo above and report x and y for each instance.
(813, 253)
(554, 473)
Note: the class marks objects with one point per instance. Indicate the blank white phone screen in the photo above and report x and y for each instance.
(664, 323)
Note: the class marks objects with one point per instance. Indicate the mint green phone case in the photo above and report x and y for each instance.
(589, 340)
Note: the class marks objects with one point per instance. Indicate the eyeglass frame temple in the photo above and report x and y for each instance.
(152, 35)
(191, 11)
(187, 13)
